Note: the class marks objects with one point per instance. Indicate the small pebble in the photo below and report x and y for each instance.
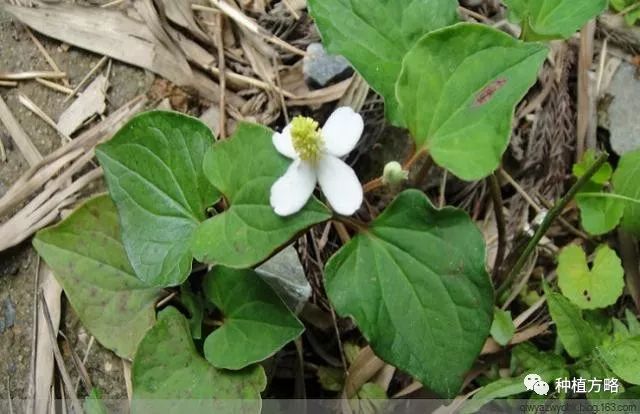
(321, 69)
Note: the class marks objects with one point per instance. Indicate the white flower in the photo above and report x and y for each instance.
(316, 159)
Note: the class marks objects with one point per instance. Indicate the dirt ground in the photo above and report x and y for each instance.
(18, 266)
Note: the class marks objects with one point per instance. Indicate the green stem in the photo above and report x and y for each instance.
(548, 221)
(610, 195)
(496, 197)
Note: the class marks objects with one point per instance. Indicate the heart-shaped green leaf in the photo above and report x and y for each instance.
(577, 336)
(89, 261)
(623, 358)
(553, 19)
(256, 324)
(413, 281)
(153, 168)
(599, 215)
(374, 35)
(593, 288)
(168, 367)
(459, 107)
(243, 168)
(626, 182)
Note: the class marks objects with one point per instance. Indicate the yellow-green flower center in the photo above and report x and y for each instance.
(306, 137)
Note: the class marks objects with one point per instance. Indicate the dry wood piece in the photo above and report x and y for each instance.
(364, 367)
(22, 140)
(586, 95)
(31, 75)
(30, 105)
(45, 209)
(112, 33)
(180, 13)
(66, 379)
(68, 157)
(89, 103)
(42, 361)
(59, 192)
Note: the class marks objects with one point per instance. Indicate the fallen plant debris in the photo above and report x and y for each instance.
(474, 242)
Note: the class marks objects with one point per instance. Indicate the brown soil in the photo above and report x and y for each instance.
(18, 265)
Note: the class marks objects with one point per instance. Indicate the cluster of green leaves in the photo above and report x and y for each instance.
(433, 74)
(414, 279)
(165, 177)
(590, 345)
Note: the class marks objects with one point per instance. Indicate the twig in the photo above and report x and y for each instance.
(112, 3)
(166, 299)
(520, 319)
(82, 370)
(9, 396)
(45, 54)
(34, 339)
(520, 191)
(85, 358)
(342, 231)
(3, 152)
(86, 78)
(585, 101)
(491, 346)
(365, 366)
(278, 82)
(496, 197)
(549, 219)
(293, 11)
(222, 66)
(55, 86)
(248, 24)
(31, 75)
(475, 15)
(443, 189)
(22, 140)
(10, 84)
(30, 105)
(77, 407)
(252, 82)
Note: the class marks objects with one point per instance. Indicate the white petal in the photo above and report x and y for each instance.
(283, 142)
(340, 185)
(342, 131)
(292, 191)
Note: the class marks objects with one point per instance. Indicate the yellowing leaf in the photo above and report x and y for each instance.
(593, 288)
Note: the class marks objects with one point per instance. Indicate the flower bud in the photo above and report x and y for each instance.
(393, 174)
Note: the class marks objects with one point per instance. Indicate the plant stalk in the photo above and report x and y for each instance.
(557, 209)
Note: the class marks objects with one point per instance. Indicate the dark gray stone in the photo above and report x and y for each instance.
(321, 69)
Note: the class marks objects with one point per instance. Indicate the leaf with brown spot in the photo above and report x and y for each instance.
(89, 261)
(457, 91)
(590, 288)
